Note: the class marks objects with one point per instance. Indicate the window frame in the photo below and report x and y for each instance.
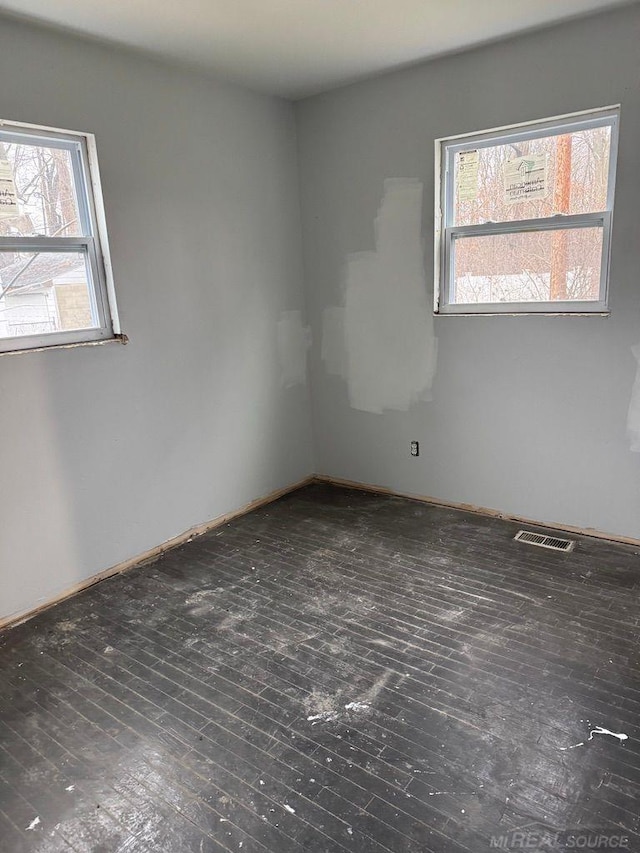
(445, 233)
(94, 245)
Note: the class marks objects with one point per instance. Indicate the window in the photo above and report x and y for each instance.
(523, 217)
(55, 281)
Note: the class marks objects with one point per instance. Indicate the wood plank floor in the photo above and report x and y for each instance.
(337, 671)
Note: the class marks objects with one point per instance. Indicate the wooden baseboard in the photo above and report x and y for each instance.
(153, 553)
(199, 529)
(480, 510)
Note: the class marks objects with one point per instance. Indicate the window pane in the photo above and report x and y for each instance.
(43, 292)
(533, 178)
(530, 266)
(46, 192)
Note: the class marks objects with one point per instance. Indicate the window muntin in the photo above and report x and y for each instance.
(527, 241)
(55, 286)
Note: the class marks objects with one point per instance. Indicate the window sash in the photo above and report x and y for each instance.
(79, 164)
(533, 130)
(554, 223)
(99, 308)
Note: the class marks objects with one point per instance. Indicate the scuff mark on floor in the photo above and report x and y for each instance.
(66, 626)
(357, 706)
(454, 793)
(323, 707)
(203, 601)
(325, 717)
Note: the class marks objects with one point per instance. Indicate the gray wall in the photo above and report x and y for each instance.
(528, 414)
(108, 451)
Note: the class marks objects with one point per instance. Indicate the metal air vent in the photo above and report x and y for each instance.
(542, 541)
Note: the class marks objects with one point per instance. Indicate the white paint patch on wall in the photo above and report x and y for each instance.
(294, 340)
(383, 341)
(633, 417)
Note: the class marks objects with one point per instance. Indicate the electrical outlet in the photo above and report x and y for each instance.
(415, 448)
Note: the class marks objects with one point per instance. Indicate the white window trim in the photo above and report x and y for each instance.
(445, 150)
(96, 248)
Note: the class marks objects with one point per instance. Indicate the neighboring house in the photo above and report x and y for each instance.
(49, 294)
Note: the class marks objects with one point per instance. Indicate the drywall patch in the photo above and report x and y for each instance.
(294, 339)
(633, 417)
(383, 341)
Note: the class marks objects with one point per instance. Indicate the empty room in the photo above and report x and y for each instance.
(319, 426)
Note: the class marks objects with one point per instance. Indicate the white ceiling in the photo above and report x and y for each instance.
(297, 47)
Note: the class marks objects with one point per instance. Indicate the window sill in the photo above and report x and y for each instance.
(116, 339)
(506, 313)
(522, 313)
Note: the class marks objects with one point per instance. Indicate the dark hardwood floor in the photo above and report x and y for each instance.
(338, 671)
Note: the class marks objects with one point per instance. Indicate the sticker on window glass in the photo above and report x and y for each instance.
(8, 193)
(526, 178)
(467, 175)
